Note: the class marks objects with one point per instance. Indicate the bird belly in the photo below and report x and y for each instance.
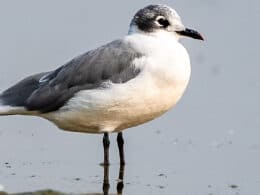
(118, 107)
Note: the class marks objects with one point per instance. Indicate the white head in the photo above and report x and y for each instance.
(154, 18)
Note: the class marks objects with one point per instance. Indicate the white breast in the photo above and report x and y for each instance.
(165, 75)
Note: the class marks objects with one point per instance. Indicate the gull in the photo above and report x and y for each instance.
(119, 85)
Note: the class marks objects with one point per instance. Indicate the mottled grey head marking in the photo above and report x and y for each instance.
(157, 17)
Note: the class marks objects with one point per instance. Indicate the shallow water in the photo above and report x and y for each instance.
(208, 144)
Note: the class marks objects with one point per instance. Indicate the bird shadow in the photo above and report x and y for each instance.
(105, 186)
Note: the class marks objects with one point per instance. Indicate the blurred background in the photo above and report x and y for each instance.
(208, 144)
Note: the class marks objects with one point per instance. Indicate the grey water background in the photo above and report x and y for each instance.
(208, 144)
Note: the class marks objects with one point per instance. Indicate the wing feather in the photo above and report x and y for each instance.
(48, 92)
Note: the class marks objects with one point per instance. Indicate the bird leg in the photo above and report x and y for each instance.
(106, 144)
(120, 143)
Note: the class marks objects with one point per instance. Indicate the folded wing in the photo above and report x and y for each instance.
(46, 92)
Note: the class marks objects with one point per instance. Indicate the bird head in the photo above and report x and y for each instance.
(161, 18)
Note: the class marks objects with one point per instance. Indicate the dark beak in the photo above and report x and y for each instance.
(191, 33)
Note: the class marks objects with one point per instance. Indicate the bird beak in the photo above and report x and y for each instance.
(190, 33)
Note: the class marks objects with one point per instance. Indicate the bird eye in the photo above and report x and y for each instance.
(163, 22)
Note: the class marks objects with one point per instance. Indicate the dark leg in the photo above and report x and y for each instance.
(120, 184)
(120, 143)
(106, 144)
(106, 184)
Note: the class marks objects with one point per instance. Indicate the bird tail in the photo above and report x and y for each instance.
(13, 100)
(10, 110)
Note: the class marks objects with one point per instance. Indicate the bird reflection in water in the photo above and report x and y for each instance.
(120, 183)
(106, 186)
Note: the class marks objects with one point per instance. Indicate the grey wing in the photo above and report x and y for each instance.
(46, 92)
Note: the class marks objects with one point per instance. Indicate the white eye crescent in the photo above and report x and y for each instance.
(162, 21)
